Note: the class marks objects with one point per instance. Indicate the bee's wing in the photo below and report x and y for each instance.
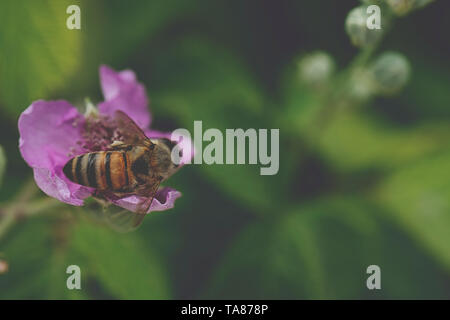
(121, 219)
(129, 130)
(116, 217)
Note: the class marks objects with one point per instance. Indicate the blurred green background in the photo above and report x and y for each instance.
(371, 186)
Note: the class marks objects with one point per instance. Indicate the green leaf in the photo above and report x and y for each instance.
(123, 266)
(418, 199)
(354, 141)
(37, 258)
(39, 54)
(2, 164)
(302, 104)
(322, 250)
(407, 270)
(27, 251)
(116, 29)
(311, 252)
(196, 80)
(125, 24)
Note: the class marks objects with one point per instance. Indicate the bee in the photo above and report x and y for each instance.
(134, 166)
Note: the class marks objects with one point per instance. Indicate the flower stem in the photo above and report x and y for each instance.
(342, 81)
(22, 206)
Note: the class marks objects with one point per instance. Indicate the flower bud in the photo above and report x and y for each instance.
(402, 7)
(357, 29)
(316, 68)
(390, 72)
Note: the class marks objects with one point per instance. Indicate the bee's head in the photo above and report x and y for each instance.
(161, 157)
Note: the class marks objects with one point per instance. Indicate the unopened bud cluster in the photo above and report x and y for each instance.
(387, 75)
(316, 68)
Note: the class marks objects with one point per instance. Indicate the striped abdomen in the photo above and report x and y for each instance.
(104, 170)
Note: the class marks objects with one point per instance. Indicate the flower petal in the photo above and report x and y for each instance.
(49, 135)
(57, 186)
(164, 199)
(123, 92)
(49, 130)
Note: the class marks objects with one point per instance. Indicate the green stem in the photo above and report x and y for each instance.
(22, 206)
(342, 81)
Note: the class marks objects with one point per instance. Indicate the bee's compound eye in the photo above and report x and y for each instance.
(152, 146)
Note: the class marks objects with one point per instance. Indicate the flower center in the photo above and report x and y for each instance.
(99, 132)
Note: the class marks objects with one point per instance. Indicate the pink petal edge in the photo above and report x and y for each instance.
(122, 92)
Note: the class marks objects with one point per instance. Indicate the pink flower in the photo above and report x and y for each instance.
(52, 132)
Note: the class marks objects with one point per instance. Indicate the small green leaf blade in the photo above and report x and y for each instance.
(322, 250)
(120, 263)
(39, 53)
(198, 80)
(417, 197)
